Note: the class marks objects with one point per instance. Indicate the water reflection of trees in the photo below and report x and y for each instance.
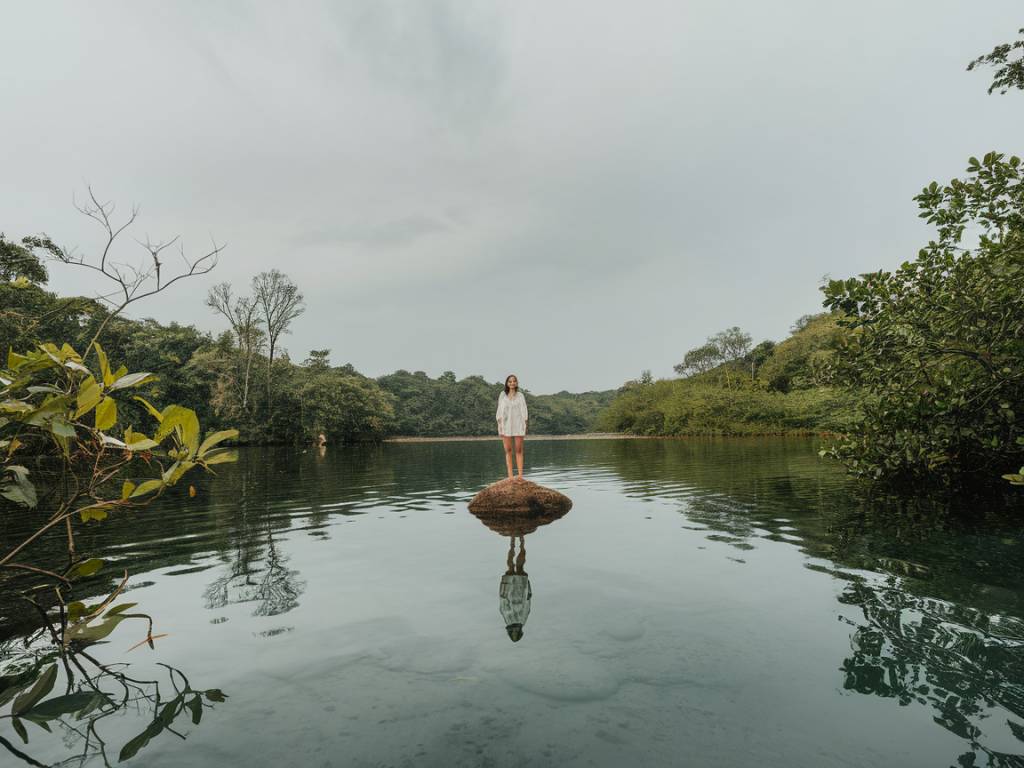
(71, 694)
(939, 625)
(966, 665)
(257, 575)
(256, 567)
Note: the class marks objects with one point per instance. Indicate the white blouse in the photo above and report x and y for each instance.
(512, 414)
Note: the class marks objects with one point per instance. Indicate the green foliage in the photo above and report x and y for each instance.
(770, 389)
(937, 344)
(699, 360)
(446, 406)
(699, 407)
(803, 360)
(342, 404)
(724, 347)
(19, 263)
(1008, 61)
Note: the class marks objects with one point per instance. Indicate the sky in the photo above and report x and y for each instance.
(570, 191)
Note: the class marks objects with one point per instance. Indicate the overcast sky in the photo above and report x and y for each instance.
(571, 191)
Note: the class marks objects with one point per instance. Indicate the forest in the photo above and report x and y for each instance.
(243, 379)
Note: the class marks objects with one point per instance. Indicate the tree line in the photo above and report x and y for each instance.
(242, 377)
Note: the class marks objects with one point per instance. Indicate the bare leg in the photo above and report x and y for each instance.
(519, 457)
(508, 455)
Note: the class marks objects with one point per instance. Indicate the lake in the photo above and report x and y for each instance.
(731, 602)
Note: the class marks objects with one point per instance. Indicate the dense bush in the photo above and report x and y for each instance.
(695, 407)
(938, 344)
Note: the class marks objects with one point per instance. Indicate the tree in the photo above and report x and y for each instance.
(344, 407)
(732, 343)
(1009, 71)
(18, 262)
(803, 360)
(699, 360)
(133, 282)
(279, 302)
(318, 360)
(938, 343)
(241, 314)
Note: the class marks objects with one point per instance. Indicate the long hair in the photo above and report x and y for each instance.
(510, 376)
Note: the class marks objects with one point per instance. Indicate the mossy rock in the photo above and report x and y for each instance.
(518, 507)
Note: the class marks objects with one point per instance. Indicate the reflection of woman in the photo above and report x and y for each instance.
(512, 418)
(514, 593)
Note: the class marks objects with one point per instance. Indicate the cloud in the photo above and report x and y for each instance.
(387, 234)
(572, 190)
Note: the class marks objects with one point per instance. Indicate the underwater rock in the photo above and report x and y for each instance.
(518, 507)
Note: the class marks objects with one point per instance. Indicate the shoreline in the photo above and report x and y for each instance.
(599, 436)
(477, 438)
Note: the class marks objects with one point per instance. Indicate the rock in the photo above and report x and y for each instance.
(518, 507)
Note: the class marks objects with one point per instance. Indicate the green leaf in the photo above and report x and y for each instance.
(108, 377)
(61, 705)
(184, 423)
(120, 608)
(129, 750)
(108, 440)
(137, 441)
(86, 568)
(18, 488)
(106, 414)
(216, 437)
(176, 471)
(19, 727)
(95, 632)
(15, 406)
(195, 705)
(127, 488)
(147, 487)
(132, 380)
(15, 360)
(215, 694)
(62, 428)
(13, 685)
(221, 456)
(42, 687)
(149, 407)
(97, 513)
(76, 610)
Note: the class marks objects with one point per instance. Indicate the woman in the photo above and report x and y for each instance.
(512, 418)
(515, 592)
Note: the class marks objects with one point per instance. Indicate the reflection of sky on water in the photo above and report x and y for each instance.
(714, 603)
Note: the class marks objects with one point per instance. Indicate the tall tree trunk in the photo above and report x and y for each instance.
(245, 380)
(270, 371)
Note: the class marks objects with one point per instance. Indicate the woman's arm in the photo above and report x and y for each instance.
(500, 415)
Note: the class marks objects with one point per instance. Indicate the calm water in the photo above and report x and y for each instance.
(711, 603)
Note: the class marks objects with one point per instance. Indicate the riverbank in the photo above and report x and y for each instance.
(474, 438)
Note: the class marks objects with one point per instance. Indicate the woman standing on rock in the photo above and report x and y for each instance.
(512, 418)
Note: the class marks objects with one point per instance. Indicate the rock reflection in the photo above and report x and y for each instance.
(514, 589)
